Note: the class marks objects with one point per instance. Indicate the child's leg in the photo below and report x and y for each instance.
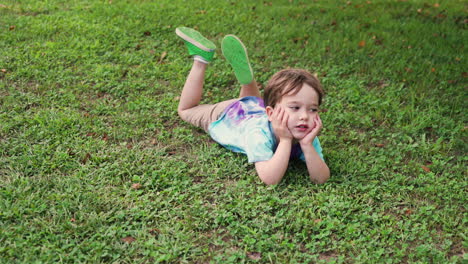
(236, 54)
(189, 109)
(193, 88)
(250, 89)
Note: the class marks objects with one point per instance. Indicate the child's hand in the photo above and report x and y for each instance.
(279, 121)
(309, 138)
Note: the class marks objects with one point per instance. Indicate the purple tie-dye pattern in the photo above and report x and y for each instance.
(243, 110)
(235, 113)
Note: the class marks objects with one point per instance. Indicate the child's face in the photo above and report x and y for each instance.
(302, 109)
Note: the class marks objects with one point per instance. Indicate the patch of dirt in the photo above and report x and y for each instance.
(328, 256)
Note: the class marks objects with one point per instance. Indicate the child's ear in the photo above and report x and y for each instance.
(269, 112)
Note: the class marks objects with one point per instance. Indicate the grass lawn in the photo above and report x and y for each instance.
(96, 166)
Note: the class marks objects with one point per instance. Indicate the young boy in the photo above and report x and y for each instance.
(283, 125)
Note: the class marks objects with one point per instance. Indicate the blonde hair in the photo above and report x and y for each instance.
(290, 81)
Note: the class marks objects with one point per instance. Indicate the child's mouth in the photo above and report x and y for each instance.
(302, 128)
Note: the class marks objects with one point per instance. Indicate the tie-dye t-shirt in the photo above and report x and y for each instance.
(244, 127)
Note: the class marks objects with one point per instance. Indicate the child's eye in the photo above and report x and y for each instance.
(313, 109)
(294, 107)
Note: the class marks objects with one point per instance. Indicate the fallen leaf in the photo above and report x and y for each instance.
(154, 231)
(426, 169)
(70, 152)
(163, 55)
(86, 158)
(73, 220)
(154, 141)
(408, 69)
(436, 5)
(105, 137)
(408, 212)
(378, 42)
(464, 74)
(362, 43)
(136, 186)
(419, 10)
(380, 145)
(129, 146)
(3, 70)
(128, 239)
(433, 70)
(317, 221)
(254, 255)
(147, 33)
(12, 28)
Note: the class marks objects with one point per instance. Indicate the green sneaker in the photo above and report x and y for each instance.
(196, 43)
(236, 54)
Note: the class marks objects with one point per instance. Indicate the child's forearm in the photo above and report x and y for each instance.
(273, 170)
(317, 168)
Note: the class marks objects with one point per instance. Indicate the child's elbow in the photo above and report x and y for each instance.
(321, 179)
(269, 181)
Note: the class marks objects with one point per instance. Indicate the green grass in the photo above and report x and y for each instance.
(88, 99)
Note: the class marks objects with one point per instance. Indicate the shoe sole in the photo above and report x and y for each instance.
(192, 41)
(250, 70)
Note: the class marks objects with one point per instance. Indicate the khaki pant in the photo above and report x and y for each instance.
(203, 115)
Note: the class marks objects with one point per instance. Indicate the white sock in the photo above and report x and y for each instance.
(200, 59)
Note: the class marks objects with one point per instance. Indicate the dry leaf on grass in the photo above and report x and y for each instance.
(136, 186)
(128, 239)
(254, 255)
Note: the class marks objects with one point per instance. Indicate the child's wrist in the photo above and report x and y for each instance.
(286, 139)
(305, 144)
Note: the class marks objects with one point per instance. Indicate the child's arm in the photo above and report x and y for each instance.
(272, 170)
(317, 168)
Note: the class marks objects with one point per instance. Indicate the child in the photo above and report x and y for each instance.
(286, 128)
